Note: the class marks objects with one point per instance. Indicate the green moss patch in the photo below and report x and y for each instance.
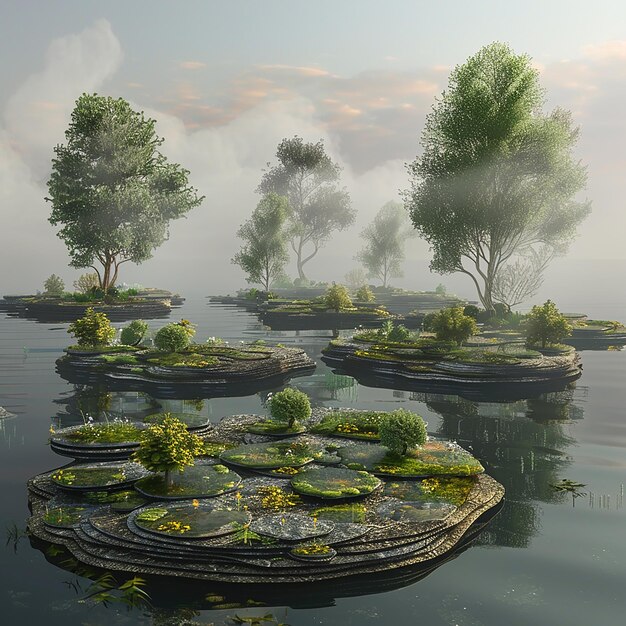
(447, 489)
(351, 424)
(271, 455)
(104, 433)
(275, 428)
(96, 476)
(198, 481)
(65, 516)
(334, 482)
(349, 513)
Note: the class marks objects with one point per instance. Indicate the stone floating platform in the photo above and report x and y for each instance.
(238, 371)
(326, 320)
(240, 537)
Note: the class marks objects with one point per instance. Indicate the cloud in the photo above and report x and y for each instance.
(192, 65)
(607, 50)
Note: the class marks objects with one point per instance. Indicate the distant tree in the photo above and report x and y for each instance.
(453, 325)
(385, 237)
(337, 298)
(263, 254)
(546, 324)
(355, 278)
(86, 283)
(112, 191)
(309, 179)
(54, 286)
(521, 279)
(496, 176)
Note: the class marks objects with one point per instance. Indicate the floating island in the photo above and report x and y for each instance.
(125, 305)
(198, 367)
(330, 502)
(495, 364)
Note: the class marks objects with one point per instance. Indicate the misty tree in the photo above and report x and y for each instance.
(264, 252)
(384, 238)
(521, 279)
(309, 179)
(496, 177)
(112, 191)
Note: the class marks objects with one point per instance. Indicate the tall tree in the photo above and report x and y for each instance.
(264, 251)
(384, 238)
(309, 179)
(111, 189)
(496, 177)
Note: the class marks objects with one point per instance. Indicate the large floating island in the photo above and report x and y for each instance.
(503, 367)
(328, 503)
(197, 368)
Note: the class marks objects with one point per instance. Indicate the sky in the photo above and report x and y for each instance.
(226, 81)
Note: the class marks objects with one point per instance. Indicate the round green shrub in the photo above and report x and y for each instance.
(337, 298)
(399, 333)
(172, 338)
(546, 325)
(472, 310)
(290, 405)
(402, 430)
(365, 294)
(134, 333)
(94, 329)
(453, 325)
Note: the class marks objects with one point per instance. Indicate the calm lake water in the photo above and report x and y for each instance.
(545, 559)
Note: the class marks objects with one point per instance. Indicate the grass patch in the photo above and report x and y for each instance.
(271, 455)
(110, 432)
(334, 482)
(352, 424)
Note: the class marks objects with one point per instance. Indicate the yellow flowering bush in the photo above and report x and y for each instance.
(94, 329)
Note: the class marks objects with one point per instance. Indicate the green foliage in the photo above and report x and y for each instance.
(112, 192)
(496, 176)
(86, 282)
(174, 337)
(337, 298)
(355, 278)
(396, 334)
(472, 310)
(546, 325)
(453, 325)
(117, 431)
(309, 180)
(94, 329)
(166, 446)
(134, 333)
(440, 289)
(365, 294)
(384, 238)
(54, 286)
(290, 405)
(402, 430)
(263, 254)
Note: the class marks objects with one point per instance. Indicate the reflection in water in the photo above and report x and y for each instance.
(522, 444)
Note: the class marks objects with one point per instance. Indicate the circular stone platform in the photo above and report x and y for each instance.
(198, 481)
(332, 483)
(96, 476)
(291, 527)
(271, 455)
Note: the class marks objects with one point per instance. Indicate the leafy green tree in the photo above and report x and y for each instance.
(174, 337)
(133, 333)
(365, 294)
(355, 278)
(167, 446)
(496, 177)
(337, 298)
(54, 285)
(309, 179)
(290, 405)
(453, 325)
(546, 324)
(385, 237)
(401, 431)
(92, 330)
(264, 252)
(112, 191)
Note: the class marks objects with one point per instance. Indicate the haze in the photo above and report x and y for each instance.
(227, 81)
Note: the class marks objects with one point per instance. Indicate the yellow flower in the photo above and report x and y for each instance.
(195, 503)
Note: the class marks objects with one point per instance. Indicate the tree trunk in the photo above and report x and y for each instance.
(168, 479)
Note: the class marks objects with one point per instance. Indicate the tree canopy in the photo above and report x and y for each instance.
(309, 180)
(384, 238)
(112, 191)
(263, 254)
(497, 176)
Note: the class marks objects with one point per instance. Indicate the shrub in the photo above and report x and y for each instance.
(337, 298)
(402, 430)
(472, 310)
(546, 325)
(94, 329)
(290, 405)
(54, 286)
(453, 325)
(167, 446)
(86, 282)
(134, 333)
(399, 334)
(365, 294)
(427, 322)
(172, 338)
